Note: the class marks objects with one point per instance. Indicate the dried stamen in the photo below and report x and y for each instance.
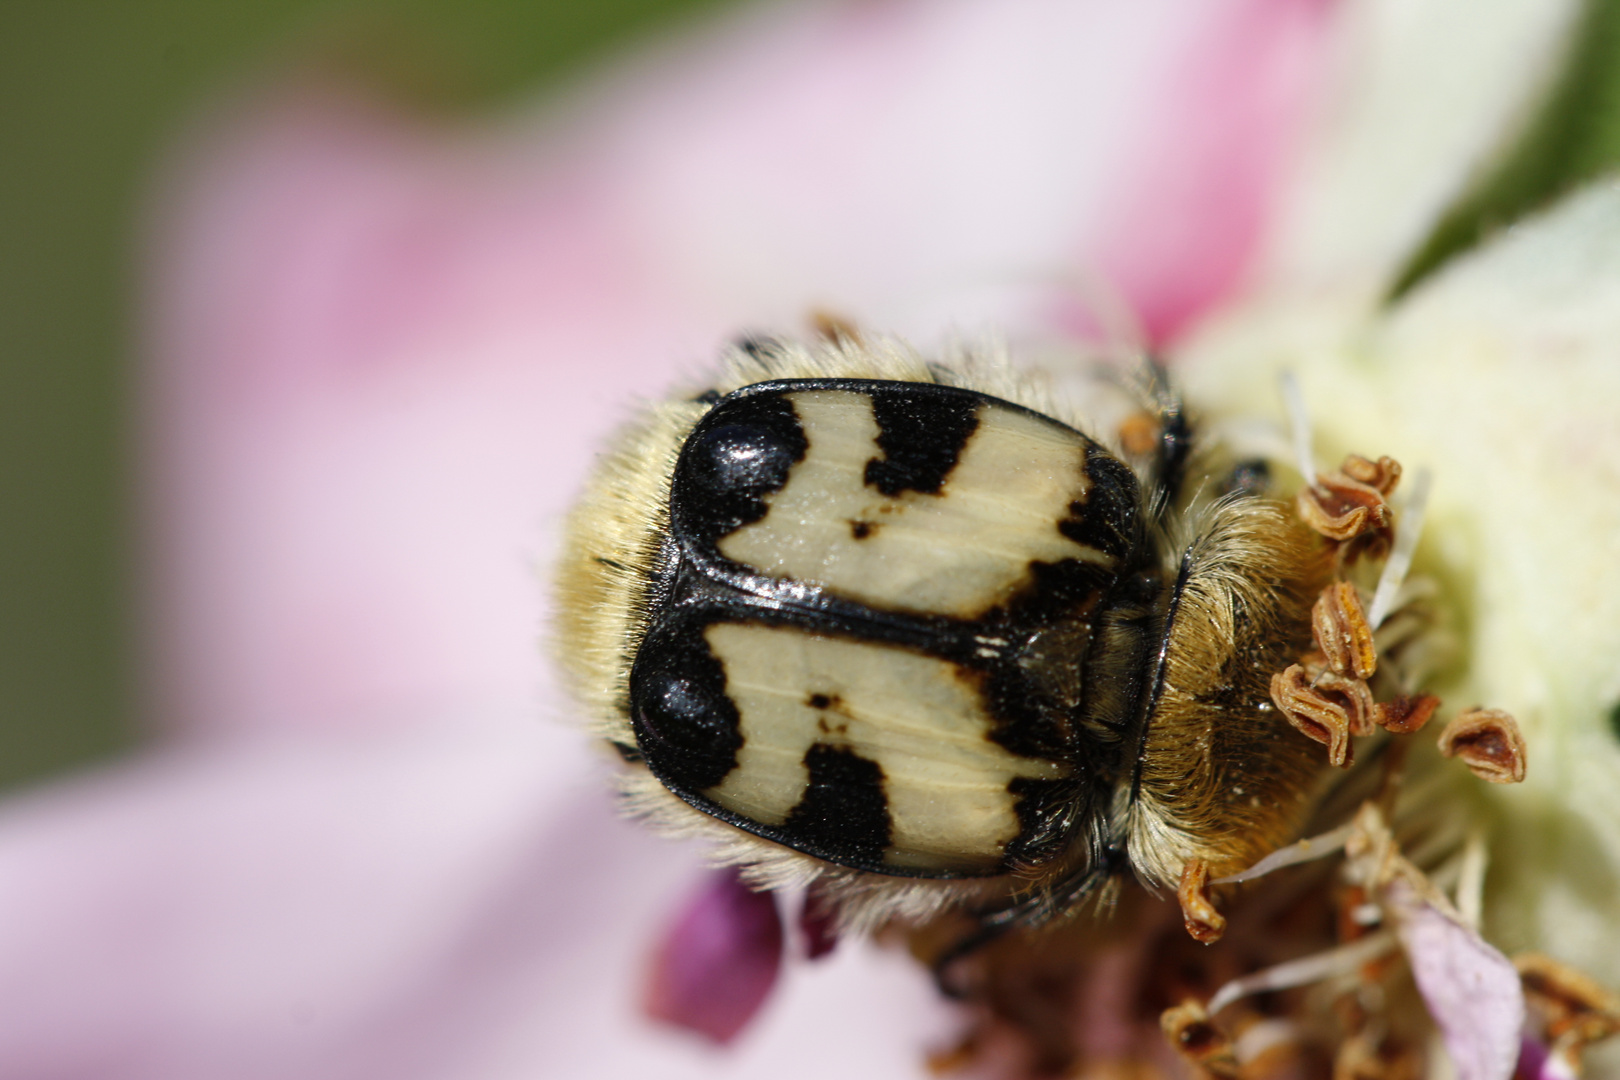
(1350, 512)
(1336, 517)
(1204, 923)
(1488, 742)
(1372, 859)
(1342, 632)
(1382, 474)
(1312, 847)
(1263, 1039)
(1329, 708)
(1353, 695)
(1299, 422)
(1470, 891)
(1569, 1007)
(1204, 1045)
(1400, 558)
(1359, 1058)
(1405, 714)
(1344, 960)
(1343, 509)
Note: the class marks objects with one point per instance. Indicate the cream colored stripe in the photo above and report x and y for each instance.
(958, 552)
(913, 715)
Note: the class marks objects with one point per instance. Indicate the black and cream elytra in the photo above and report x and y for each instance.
(912, 632)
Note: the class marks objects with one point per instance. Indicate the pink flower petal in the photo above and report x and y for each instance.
(272, 913)
(1537, 1062)
(357, 472)
(1471, 989)
(441, 905)
(1203, 201)
(719, 960)
(1533, 1059)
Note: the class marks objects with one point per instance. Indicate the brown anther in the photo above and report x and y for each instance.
(1204, 923)
(1199, 1041)
(1139, 433)
(1566, 1004)
(1342, 633)
(1489, 743)
(1405, 714)
(1329, 708)
(1382, 474)
(1333, 518)
(1351, 511)
(1353, 695)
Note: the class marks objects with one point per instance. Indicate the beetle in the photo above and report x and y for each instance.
(919, 635)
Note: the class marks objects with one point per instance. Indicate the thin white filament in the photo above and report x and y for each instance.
(1299, 421)
(1307, 969)
(1312, 847)
(1471, 880)
(1263, 1035)
(1400, 559)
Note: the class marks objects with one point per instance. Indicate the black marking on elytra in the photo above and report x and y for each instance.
(1109, 517)
(685, 723)
(742, 451)
(921, 436)
(827, 727)
(1252, 476)
(1614, 719)
(860, 530)
(844, 814)
(1063, 590)
(1028, 724)
(821, 701)
(1047, 811)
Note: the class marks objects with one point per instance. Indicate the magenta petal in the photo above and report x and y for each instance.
(1471, 989)
(720, 960)
(1532, 1062)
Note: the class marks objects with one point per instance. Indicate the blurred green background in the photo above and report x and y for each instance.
(92, 93)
